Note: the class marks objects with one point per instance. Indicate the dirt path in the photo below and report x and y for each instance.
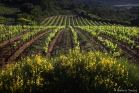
(85, 43)
(64, 43)
(51, 45)
(36, 48)
(11, 57)
(21, 49)
(10, 40)
(94, 40)
(10, 47)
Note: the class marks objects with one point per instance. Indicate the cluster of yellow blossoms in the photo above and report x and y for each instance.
(95, 69)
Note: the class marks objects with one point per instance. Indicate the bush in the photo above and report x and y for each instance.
(27, 8)
(77, 72)
(2, 19)
(26, 19)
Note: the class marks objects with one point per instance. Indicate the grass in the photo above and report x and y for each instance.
(76, 72)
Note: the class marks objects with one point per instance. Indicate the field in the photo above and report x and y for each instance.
(58, 34)
(63, 38)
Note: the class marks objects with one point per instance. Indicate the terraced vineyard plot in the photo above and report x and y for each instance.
(77, 32)
(63, 43)
(85, 44)
(44, 60)
(127, 51)
(35, 48)
(119, 43)
(12, 49)
(95, 45)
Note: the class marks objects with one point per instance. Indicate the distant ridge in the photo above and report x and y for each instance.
(111, 1)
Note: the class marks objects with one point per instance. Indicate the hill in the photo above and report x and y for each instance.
(65, 52)
(37, 10)
(110, 1)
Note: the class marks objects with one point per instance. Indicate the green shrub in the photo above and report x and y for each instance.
(77, 72)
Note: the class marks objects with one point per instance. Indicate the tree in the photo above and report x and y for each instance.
(27, 8)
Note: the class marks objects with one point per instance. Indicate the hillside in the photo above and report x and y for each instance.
(122, 1)
(110, 1)
(37, 10)
(69, 54)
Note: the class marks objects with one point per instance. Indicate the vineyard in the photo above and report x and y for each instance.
(58, 35)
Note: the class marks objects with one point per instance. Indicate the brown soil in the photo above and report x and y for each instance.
(36, 48)
(12, 39)
(51, 45)
(85, 43)
(94, 40)
(64, 43)
(21, 49)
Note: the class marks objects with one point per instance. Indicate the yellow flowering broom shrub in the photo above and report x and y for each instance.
(77, 72)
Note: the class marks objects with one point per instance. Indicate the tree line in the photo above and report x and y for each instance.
(39, 9)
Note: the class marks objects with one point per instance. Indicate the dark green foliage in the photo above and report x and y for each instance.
(135, 22)
(27, 7)
(39, 9)
(83, 13)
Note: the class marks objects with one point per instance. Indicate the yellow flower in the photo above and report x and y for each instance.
(108, 80)
(2, 72)
(1, 83)
(115, 84)
(38, 59)
(127, 73)
(122, 71)
(11, 73)
(50, 66)
(28, 59)
(119, 87)
(39, 80)
(28, 82)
